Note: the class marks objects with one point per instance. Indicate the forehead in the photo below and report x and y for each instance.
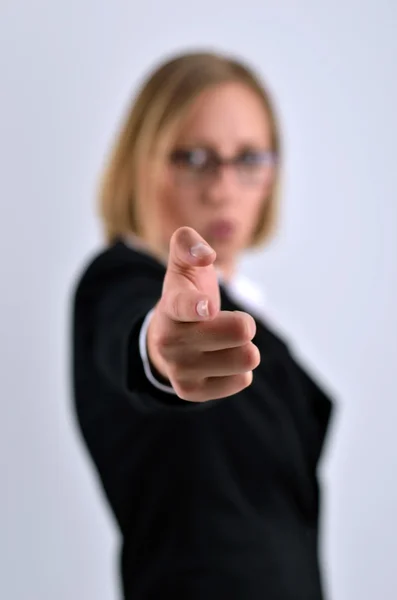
(226, 117)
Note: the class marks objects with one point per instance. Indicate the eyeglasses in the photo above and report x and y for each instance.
(202, 165)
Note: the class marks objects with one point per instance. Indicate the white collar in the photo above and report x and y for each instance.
(245, 291)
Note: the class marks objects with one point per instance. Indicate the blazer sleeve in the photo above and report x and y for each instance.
(111, 305)
(149, 369)
(321, 408)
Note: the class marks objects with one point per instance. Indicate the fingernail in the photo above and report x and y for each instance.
(202, 308)
(200, 250)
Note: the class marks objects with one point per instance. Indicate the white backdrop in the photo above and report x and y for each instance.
(67, 70)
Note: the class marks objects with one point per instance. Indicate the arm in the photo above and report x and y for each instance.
(112, 309)
(150, 372)
(321, 408)
(207, 354)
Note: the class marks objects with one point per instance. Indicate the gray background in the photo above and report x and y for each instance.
(67, 70)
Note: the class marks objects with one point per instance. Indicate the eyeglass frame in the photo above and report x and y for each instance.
(269, 160)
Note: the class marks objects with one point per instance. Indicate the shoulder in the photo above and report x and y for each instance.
(115, 264)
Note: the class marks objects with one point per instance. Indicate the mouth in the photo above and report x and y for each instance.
(221, 230)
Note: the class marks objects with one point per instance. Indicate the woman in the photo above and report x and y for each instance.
(204, 430)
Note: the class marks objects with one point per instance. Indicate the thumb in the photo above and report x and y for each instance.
(191, 289)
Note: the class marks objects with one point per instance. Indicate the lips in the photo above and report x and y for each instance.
(221, 229)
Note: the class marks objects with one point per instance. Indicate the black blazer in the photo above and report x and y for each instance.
(215, 501)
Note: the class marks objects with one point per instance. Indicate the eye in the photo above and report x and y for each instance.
(196, 158)
(255, 158)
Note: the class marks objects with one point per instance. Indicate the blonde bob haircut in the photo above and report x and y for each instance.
(149, 129)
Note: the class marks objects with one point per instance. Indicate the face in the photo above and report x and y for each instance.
(219, 171)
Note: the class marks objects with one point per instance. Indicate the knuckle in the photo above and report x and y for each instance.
(184, 362)
(244, 327)
(239, 382)
(175, 305)
(246, 379)
(248, 356)
(175, 371)
(162, 340)
(188, 390)
(179, 235)
(254, 356)
(172, 304)
(179, 244)
(165, 344)
(175, 240)
(169, 342)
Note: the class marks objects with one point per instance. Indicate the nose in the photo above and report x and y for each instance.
(222, 188)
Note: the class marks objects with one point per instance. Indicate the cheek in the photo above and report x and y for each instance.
(175, 206)
(254, 201)
(249, 212)
(250, 207)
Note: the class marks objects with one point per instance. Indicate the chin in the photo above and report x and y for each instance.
(225, 252)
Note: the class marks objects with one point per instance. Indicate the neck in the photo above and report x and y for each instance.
(154, 250)
(226, 269)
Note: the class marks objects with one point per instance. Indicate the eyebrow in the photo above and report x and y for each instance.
(205, 144)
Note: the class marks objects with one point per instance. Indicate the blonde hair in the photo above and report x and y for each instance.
(154, 115)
